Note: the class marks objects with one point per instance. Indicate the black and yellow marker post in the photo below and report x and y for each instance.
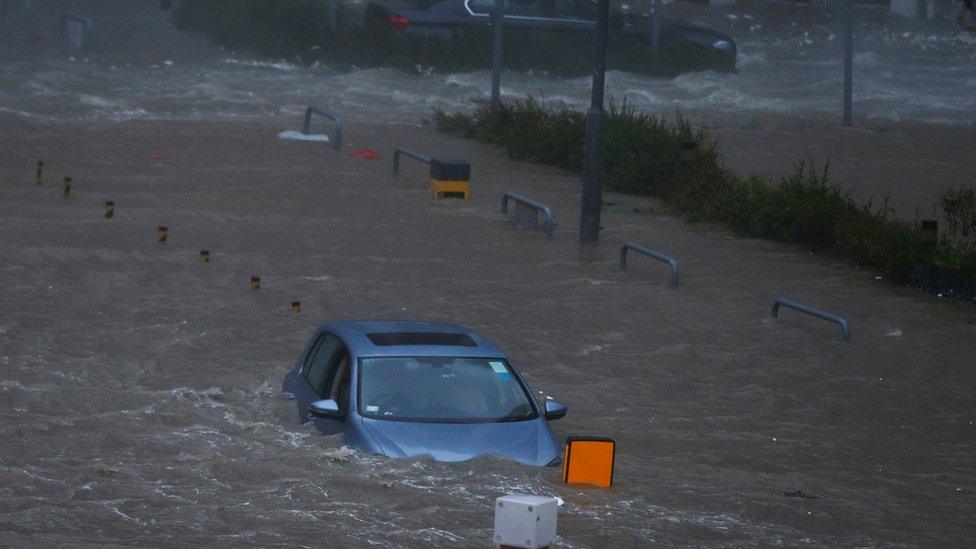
(255, 282)
(296, 306)
(109, 209)
(162, 233)
(40, 172)
(205, 256)
(67, 186)
(450, 178)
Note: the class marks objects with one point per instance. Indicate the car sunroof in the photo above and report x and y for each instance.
(420, 338)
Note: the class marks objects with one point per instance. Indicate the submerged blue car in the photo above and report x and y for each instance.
(405, 388)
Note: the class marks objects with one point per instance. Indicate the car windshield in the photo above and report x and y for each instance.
(442, 389)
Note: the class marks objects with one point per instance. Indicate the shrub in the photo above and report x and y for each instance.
(648, 155)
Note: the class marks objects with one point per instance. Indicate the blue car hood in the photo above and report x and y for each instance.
(528, 442)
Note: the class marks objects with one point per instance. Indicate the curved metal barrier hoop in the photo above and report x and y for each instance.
(845, 329)
(407, 152)
(336, 121)
(671, 262)
(534, 204)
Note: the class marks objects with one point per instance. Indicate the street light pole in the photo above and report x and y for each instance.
(498, 18)
(595, 120)
(848, 61)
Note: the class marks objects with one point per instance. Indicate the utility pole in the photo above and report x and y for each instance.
(498, 18)
(592, 196)
(848, 60)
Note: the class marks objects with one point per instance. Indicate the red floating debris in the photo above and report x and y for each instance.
(156, 156)
(368, 154)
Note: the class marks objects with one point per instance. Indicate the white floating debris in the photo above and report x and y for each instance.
(894, 333)
(299, 136)
(524, 520)
(168, 63)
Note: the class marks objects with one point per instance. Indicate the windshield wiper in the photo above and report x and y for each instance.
(514, 416)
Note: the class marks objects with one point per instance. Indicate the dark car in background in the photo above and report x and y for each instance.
(559, 29)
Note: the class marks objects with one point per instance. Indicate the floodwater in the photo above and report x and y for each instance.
(140, 388)
(790, 62)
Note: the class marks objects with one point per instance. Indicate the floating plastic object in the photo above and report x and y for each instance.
(157, 156)
(67, 186)
(109, 209)
(162, 233)
(40, 172)
(525, 520)
(368, 154)
(296, 306)
(255, 282)
(205, 256)
(299, 136)
(589, 460)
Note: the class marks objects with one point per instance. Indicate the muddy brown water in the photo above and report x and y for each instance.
(140, 387)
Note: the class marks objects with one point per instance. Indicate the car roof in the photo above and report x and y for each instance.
(355, 335)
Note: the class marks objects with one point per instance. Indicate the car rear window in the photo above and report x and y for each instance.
(420, 338)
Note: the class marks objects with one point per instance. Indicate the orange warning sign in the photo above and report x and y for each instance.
(589, 460)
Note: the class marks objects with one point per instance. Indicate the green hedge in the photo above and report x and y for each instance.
(647, 155)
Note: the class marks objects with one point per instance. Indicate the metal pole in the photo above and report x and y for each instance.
(595, 120)
(498, 18)
(656, 30)
(848, 60)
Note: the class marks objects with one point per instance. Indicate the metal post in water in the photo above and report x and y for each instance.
(656, 33)
(592, 195)
(498, 18)
(848, 60)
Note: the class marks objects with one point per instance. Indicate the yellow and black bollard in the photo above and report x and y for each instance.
(162, 233)
(255, 282)
(67, 186)
(205, 256)
(40, 172)
(450, 178)
(296, 306)
(109, 209)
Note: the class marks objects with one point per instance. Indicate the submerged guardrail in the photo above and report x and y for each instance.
(336, 121)
(534, 204)
(671, 262)
(407, 152)
(845, 329)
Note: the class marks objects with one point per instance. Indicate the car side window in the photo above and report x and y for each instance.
(319, 360)
(513, 8)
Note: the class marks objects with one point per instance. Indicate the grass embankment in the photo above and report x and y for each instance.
(305, 31)
(646, 155)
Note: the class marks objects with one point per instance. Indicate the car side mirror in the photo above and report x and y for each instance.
(328, 409)
(555, 409)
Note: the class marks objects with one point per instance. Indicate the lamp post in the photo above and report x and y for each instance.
(595, 121)
(848, 60)
(498, 18)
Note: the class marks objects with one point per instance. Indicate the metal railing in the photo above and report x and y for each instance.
(535, 205)
(845, 329)
(337, 122)
(407, 152)
(671, 262)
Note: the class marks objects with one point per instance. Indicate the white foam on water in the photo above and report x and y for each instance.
(299, 136)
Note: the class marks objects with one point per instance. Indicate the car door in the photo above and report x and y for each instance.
(335, 386)
(315, 372)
